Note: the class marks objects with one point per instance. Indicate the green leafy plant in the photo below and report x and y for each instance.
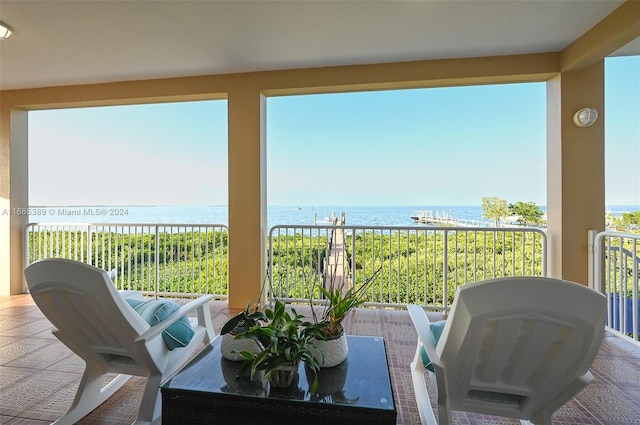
(252, 315)
(245, 320)
(286, 339)
(339, 303)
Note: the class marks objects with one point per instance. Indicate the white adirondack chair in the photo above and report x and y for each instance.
(518, 347)
(93, 319)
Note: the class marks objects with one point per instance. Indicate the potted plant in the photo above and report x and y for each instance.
(284, 341)
(339, 302)
(241, 322)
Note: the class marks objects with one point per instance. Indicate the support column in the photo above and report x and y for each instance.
(247, 195)
(14, 196)
(575, 170)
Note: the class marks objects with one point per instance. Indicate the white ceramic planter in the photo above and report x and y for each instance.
(229, 345)
(334, 351)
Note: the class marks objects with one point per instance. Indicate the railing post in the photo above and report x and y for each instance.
(352, 266)
(548, 264)
(156, 259)
(89, 244)
(635, 275)
(445, 272)
(25, 252)
(592, 260)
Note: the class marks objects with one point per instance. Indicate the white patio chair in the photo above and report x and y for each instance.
(517, 347)
(93, 319)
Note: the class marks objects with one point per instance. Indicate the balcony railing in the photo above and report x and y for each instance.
(416, 264)
(617, 275)
(157, 259)
(420, 265)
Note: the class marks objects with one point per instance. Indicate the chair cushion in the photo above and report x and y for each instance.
(436, 331)
(179, 334)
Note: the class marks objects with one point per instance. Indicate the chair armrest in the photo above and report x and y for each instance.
(422, 325)
(155, 330)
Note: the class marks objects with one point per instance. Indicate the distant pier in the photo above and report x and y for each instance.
(441, 218)
(336, 275)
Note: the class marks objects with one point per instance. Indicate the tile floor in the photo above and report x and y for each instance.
(39, 375)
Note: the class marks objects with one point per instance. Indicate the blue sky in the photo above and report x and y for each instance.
(444, 146)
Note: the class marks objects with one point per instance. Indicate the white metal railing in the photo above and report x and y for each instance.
(157, 259)
(416, 264)
(616, 262)
(420, 265)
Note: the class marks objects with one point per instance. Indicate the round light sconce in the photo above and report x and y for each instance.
(5, 31)
(585, 117)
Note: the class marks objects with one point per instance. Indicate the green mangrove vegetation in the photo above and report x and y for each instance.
(187, 261)
(411, 265)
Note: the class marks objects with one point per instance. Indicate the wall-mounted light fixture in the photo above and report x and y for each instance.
(5, 31)
(585, 117)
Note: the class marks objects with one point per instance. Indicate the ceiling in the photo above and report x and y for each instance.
(79, 42)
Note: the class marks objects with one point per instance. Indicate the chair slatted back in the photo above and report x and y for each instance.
(87, 311)
(514, 343)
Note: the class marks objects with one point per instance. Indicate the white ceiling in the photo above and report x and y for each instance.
(77, 42)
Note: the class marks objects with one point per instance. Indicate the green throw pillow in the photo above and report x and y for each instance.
(436, 330)
(179, 334)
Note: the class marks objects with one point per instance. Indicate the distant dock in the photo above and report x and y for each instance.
(336, 275)
(441, 218)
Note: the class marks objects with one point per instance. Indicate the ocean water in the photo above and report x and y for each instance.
(218, 214)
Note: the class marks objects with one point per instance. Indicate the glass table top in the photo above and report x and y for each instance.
(362, 380)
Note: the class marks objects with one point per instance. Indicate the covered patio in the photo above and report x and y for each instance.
(52, 63)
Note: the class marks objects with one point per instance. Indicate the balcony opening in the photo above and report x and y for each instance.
(441, 149)
(149, 160)
(622, 143)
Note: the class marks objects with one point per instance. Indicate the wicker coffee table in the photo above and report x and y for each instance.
(207, 391)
